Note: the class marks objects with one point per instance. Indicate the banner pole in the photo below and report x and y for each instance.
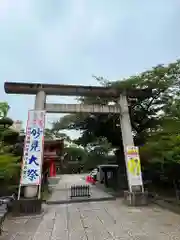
(19, 192)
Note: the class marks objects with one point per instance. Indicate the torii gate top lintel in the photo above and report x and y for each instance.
(69, 90)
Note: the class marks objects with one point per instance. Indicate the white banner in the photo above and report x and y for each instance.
(33, 148)
(133, 166)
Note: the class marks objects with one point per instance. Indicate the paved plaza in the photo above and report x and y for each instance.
(95, 221)
(61, 191)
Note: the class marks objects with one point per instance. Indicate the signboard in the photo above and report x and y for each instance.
(133, 166)
(33, 149)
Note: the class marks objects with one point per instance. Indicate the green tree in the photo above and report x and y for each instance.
(4, 108)
(51, 134)
(160, 155)
(9, 163)
(74, 159)
(9, 169)
(163, 144)
(76, 154)
(7, 135)
(99, 147)
(144, 109)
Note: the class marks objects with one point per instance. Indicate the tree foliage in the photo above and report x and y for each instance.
(144, 110)
(9, 168)
(163, 145)
(51, 134)
(155, 121)
(75, 154)
(9, 163)
(4, 108)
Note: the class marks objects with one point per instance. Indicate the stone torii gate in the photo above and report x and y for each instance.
(42, 90)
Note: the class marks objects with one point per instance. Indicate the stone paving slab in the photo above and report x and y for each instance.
(113, 220)
(20, 228)
(108, 220)
(95, 221)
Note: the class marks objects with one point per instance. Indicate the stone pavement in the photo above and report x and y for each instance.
(95, 221)
(21, 228)
(61, 191)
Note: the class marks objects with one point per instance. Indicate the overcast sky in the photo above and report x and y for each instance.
(68, 41)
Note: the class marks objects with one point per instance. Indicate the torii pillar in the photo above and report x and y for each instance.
(135, 195)
(40, 100)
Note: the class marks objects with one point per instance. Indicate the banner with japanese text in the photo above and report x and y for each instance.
(33, 148)
(133, 166)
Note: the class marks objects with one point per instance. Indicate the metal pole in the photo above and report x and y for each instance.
(19, 192)
(40, 101)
